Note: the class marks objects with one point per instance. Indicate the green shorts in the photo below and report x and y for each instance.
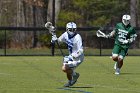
(120, 50)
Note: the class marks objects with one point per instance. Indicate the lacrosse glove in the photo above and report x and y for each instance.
(54, 38)
(77, 54)
(125, 41)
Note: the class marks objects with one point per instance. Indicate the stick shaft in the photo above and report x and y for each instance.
(60, 49)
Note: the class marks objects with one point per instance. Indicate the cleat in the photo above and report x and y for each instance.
(75, 77)
(71, 83)
(67, 84)
(117, 72)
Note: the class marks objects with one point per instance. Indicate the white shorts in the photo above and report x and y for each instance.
(73, 63)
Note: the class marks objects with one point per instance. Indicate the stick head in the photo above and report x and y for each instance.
(99, 33)
(50, 27)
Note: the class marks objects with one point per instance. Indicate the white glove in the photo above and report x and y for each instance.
(75, 55)
(125, 41)
(54, 38)
(67, 58)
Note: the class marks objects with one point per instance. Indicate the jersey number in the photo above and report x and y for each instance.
(122, 36)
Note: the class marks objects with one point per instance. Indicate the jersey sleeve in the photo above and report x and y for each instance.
(132, 35)
(62, 38)
(79, 44)
(116, 27)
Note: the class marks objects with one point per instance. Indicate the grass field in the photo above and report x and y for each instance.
(47, 51)
(42, 74)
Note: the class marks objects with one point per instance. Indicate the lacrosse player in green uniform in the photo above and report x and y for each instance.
(124, 34)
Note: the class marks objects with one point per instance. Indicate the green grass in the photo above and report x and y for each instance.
(43, 74)
(47, 51)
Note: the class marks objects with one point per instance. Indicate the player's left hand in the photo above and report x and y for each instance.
(67, 59)
(75, 55)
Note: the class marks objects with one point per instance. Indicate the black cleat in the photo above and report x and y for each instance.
(75, 77)
(71, 83)
(68, 84)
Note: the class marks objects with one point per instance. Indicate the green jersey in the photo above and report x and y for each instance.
(122, 33)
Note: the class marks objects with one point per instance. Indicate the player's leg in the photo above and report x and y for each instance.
(115, 53)
(115, 65)
(72, 76)
(121, 57)
(120, 64)
(68, 71)
(68, 67)
(115, 56)
(122, 54)
(75, 75)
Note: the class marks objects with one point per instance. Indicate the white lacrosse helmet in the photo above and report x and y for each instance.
(126, 19)
(71, 28)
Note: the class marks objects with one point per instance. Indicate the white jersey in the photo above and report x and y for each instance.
(74, 43)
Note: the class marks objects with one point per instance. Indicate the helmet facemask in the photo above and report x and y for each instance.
(71, 31)
(71, 28)
(126, 19)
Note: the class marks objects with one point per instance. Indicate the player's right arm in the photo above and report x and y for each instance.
(111, 34)
(60, 39)
(79, 45)
(133, 36)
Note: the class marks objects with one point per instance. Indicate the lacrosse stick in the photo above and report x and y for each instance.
(52, 30)
(50, 27)
(99, 33)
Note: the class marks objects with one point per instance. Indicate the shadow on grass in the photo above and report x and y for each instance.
(80, 87)
(130, 73)
(79, 90)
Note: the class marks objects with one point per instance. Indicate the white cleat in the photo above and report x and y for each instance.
(117, 71)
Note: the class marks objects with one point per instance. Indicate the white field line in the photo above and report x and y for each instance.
(5, 74)
(6, 63)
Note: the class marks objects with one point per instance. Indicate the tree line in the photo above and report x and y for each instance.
(35, 13)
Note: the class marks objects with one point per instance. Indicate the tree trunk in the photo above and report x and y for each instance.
(57, 9)
(49, 13)
(18, 37)
(133, 12)
(50, 10)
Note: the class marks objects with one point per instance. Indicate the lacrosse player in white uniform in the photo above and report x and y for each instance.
(76, 56)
